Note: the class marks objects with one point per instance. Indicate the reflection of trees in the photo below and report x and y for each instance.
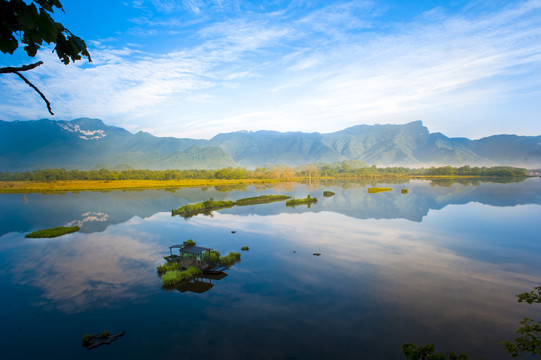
(473, 181)
(232, 187)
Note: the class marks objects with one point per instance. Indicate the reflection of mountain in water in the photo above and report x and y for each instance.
(94, 211)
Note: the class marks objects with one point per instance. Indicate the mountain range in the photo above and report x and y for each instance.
(89, 143)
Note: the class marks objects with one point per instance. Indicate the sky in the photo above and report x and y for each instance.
(196, 68)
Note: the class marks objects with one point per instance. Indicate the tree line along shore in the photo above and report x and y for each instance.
(105, 179)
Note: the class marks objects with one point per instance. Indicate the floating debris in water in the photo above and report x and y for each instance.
(233, 231)
(93, 341)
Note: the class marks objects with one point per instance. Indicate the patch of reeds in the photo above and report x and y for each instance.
(378, 189)
(53, 232)
(171, 278)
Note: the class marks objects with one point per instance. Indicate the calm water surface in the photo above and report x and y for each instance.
(439, 265)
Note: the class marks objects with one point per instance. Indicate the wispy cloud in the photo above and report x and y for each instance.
(320, 69)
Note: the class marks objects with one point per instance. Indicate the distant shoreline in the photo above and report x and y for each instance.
(9, 187)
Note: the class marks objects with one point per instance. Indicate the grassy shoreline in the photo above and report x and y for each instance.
(7, 187)
(101, 185)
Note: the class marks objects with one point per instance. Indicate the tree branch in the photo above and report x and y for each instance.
(15, 70)
(11, 69)
(39, 92)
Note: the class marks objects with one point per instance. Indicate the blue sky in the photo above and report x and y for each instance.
(196, 68)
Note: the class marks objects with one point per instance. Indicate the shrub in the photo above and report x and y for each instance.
(245, 248)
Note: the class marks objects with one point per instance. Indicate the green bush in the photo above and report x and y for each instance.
(230, 259)
(245, 248)
(171, 278)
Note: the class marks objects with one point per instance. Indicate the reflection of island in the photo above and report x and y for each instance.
(200, 284)
(97, 210)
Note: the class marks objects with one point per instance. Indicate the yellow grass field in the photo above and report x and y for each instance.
(99, 185)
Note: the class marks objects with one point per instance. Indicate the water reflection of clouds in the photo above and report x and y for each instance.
(91, 271)
(414, 269)
(89, 217)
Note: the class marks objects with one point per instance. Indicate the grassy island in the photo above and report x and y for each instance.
(173, 272)
(53, 232)
(378, 189)
(206, 207)
(306, 201)
(328, 193)
(263, 199)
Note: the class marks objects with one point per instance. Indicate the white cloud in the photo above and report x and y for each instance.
(317, 71)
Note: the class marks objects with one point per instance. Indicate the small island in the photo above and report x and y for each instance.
(328, 193)
(206, 207)
(263, 199)
(306, 201)
(192, 261)
(378, 189)
(52, 232)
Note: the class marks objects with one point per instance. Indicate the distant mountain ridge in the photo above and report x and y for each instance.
(89, 143)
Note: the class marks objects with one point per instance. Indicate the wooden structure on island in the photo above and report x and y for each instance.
(192, 255)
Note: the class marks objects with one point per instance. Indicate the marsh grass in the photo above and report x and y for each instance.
(53, 232)
(171, 278)
(170, 266)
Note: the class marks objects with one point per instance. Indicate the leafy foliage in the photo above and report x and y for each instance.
(530, 297)
(530, 330)
(412, 352)
(32, 25)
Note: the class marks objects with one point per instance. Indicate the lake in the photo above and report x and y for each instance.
(441, 264)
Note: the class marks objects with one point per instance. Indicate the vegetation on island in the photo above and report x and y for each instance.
(206, 207)
(373, 190)
(173, 277)
(328, 193)
(263, 199)
(412, 352)
(404, 191)
(245, 248)
(306, 201)
(53, 232)
(173, 271)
